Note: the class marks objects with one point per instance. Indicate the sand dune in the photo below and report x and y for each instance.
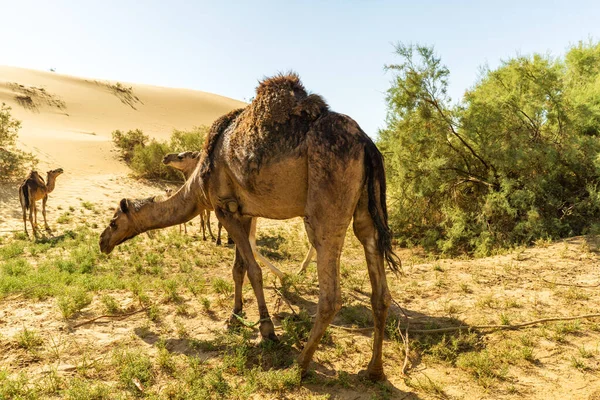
(67, 122)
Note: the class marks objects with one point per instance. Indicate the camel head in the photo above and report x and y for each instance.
(123, 225)
(182, 161)
(54, 173)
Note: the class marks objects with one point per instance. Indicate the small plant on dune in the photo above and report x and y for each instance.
(29, 339)
(110, 304)
(73, 301)
(171, 287)
(222, 287)
(133, 368)
(83, 389)
(483, 366)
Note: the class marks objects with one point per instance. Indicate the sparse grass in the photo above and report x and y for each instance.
(133, 367)
(488, 370)
(29, 339)
(222, 287)
(73, 301)
(111, 305)
(177, 349)
(427, 385)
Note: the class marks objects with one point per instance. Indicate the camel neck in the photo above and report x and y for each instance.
(188, 172)
(184, 205)
(50, 183)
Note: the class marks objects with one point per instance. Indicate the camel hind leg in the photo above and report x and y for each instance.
(334, 187)
(364, 230)
(202, 225)
(44, 200)
(219, 227)
(32, 215)
(23, 207)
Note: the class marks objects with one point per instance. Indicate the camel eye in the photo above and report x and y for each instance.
(180, 157)
(113, 224)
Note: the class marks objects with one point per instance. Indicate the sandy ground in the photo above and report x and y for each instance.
(67, 122)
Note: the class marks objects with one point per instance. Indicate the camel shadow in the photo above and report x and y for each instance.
(9, 202)
(274, 356)
(270, 247)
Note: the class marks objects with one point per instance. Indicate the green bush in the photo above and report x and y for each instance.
(128, 141)
(14, 163)
(517, 160)
(145, 156)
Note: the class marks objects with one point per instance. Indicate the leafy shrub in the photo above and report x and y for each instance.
(14, 163)
(515, 161)
(145, 156)
(128, 141)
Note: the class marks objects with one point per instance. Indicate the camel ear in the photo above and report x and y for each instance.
(124, 204)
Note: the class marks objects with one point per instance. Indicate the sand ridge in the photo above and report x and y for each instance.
(67, 122)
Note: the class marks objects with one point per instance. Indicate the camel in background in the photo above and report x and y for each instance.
(33, 189)
(285, 155)
(186, 163)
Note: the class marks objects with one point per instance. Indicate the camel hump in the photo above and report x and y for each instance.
(279, 98)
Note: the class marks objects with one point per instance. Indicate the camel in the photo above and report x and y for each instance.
(186, 162)
(33, 189)
(285, 155)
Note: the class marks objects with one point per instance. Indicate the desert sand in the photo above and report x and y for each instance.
(67, 122)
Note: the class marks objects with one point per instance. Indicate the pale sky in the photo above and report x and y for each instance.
(339, 48)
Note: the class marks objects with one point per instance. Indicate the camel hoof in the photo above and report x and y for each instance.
(233, 323)
(267, 331)
(230, 241)
(218, 242)
(373, 375)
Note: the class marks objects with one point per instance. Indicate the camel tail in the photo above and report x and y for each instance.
(376, 188)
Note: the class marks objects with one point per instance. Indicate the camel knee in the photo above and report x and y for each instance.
(330, 306)
(380, 302)
(255, 273)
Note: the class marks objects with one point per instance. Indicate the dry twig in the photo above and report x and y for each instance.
(125, 315)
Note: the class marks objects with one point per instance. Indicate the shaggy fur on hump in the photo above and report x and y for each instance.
(282, 106)
(278, 99)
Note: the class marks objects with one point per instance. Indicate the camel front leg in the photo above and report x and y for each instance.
(239, 228)
(238, 272)
(44, 200)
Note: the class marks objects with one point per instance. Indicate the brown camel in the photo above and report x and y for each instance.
(33, 189)
(285, 155)
(186, 163)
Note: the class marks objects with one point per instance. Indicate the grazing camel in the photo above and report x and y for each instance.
(33, 189)
(186, 163)
(285, 155)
